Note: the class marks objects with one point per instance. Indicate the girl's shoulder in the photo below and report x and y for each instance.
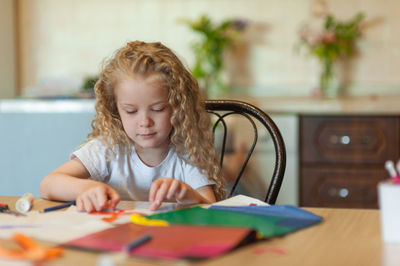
(105, 145)
(98, 142)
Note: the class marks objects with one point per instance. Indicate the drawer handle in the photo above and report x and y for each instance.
(344, 140)
(343, 193)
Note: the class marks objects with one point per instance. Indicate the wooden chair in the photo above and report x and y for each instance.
(223, 108)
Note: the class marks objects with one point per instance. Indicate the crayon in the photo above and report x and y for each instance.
(137, 242)
(57, 207)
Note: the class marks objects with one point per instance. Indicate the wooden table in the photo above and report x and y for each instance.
(345, 237)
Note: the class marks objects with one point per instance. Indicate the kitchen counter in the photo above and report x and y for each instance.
(47, 105)
(366, 105)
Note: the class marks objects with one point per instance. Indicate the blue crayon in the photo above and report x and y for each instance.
(137, 242)
(61, 206)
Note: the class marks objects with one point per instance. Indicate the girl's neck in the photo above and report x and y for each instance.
(152, 156)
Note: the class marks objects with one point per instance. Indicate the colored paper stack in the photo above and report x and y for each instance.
(201, 233)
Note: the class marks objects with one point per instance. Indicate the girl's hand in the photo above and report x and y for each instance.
(97, 197)
(169, 188)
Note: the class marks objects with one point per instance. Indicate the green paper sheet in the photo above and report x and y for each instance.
(265, 225)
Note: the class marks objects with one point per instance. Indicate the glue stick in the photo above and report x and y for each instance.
(24, 204)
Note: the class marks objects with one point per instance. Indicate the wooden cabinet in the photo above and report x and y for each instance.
(342, 158)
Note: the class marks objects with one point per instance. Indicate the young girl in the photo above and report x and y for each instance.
(151, 137)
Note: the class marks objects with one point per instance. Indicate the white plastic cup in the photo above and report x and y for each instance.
(389, 204)
(24, 204)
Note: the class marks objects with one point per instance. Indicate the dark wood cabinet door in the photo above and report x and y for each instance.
(342, 159)
(340, 188)
(348, 140)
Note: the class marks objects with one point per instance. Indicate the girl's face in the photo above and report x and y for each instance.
(144, 110)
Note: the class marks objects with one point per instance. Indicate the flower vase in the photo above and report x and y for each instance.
(329, 82)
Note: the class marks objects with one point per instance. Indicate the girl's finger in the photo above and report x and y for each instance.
(173, 189)
(79, 204)
(113, 197)
(153, 189)
(88, 204)
(155, 205)
(159, 196)
(162, 191)
(182, 193)
(100, 200)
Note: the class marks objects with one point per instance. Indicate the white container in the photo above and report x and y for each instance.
(24, 204)
(389, 204)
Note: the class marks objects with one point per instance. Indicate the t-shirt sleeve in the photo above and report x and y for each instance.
(195, 178)
(93, 156)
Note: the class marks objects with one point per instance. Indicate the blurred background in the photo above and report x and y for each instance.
(50, 49)
(59, 43)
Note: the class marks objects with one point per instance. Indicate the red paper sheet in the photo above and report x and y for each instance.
(168, 242)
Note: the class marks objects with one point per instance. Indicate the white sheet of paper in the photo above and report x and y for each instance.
(5, 262)
(143, 207)
(62, 226)
(240, 200)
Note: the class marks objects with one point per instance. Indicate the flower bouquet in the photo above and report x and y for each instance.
(336, 41)
(209, 48)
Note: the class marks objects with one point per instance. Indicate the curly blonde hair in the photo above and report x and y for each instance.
(191, 133)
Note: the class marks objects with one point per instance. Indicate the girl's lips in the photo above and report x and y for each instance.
(149, 135)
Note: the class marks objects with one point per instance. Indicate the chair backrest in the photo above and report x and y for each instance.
(224, 108)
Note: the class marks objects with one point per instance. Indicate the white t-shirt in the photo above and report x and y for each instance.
(129, 176)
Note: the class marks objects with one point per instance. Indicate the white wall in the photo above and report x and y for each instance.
(67, 39)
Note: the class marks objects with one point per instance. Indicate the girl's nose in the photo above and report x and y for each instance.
(146, 121)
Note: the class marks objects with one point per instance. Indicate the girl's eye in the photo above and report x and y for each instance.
(130, 112)
(159, 109)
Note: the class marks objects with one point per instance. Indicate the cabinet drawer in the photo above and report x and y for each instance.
(345, 140)
(342, 188)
